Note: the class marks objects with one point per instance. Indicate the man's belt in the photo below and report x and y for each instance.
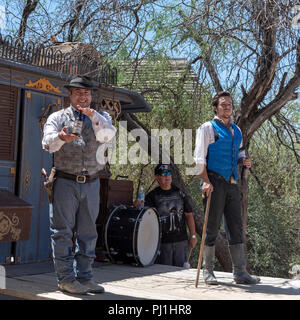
(231, 180)
(79, 178)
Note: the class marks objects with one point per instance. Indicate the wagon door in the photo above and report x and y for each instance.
(33, 158)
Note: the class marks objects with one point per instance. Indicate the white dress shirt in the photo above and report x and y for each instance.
(205, 136)
(101, 122)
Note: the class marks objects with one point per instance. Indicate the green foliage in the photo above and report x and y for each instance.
(273, 213)
(273, 225)
(176, 102)
(273, 230)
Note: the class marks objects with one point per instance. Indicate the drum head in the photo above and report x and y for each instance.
(148, 237)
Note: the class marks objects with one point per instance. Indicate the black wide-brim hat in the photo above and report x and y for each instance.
(82, 82)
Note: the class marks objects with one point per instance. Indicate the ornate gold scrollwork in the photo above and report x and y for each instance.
(8, 225)
(43, 84)
(112, 106)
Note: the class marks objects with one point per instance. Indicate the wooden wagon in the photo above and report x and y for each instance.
(31, 87)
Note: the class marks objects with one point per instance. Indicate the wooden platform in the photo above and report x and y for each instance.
(157, 282)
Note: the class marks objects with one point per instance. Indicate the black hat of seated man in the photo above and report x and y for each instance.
(160, 168)
(81, 82)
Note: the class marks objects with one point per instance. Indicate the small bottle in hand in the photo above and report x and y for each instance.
(77, 128)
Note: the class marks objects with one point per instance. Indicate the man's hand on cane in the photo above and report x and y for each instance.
(207, 188)
(247, 162)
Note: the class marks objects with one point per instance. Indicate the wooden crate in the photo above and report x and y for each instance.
(112, 193)
(15, 217)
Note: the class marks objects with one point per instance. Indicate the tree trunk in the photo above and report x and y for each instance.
(28, 9)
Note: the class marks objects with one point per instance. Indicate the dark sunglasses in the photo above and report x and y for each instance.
(163, 174)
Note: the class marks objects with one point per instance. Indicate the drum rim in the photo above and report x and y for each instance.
(135, 253)
(134, 238)
(105, 232)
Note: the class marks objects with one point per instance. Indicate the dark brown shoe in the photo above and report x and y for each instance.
(73, 287)
(92, 286)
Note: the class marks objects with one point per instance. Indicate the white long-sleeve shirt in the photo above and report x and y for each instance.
(204, 137)
(101, 122)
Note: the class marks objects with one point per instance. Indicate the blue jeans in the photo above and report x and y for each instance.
(73, 215)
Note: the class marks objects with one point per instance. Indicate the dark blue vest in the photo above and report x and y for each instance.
(223, 153)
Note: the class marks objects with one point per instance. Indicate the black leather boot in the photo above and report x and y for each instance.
(240, 273)
(208, 265)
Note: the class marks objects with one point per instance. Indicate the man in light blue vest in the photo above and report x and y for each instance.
(74, 135)
(218, 152)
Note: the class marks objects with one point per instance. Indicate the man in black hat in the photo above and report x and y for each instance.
(74, 135)
(175, 215)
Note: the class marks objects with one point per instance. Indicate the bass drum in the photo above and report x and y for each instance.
(133, 235)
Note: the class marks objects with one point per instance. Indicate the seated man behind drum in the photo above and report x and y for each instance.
(175, 214)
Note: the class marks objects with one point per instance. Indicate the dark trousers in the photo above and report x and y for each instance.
(173, 253)
(225, 200)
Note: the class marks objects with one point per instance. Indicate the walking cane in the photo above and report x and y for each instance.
(203, 238)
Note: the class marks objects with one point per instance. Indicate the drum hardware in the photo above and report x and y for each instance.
(116, 218)
(131, 220)
(119, 206)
